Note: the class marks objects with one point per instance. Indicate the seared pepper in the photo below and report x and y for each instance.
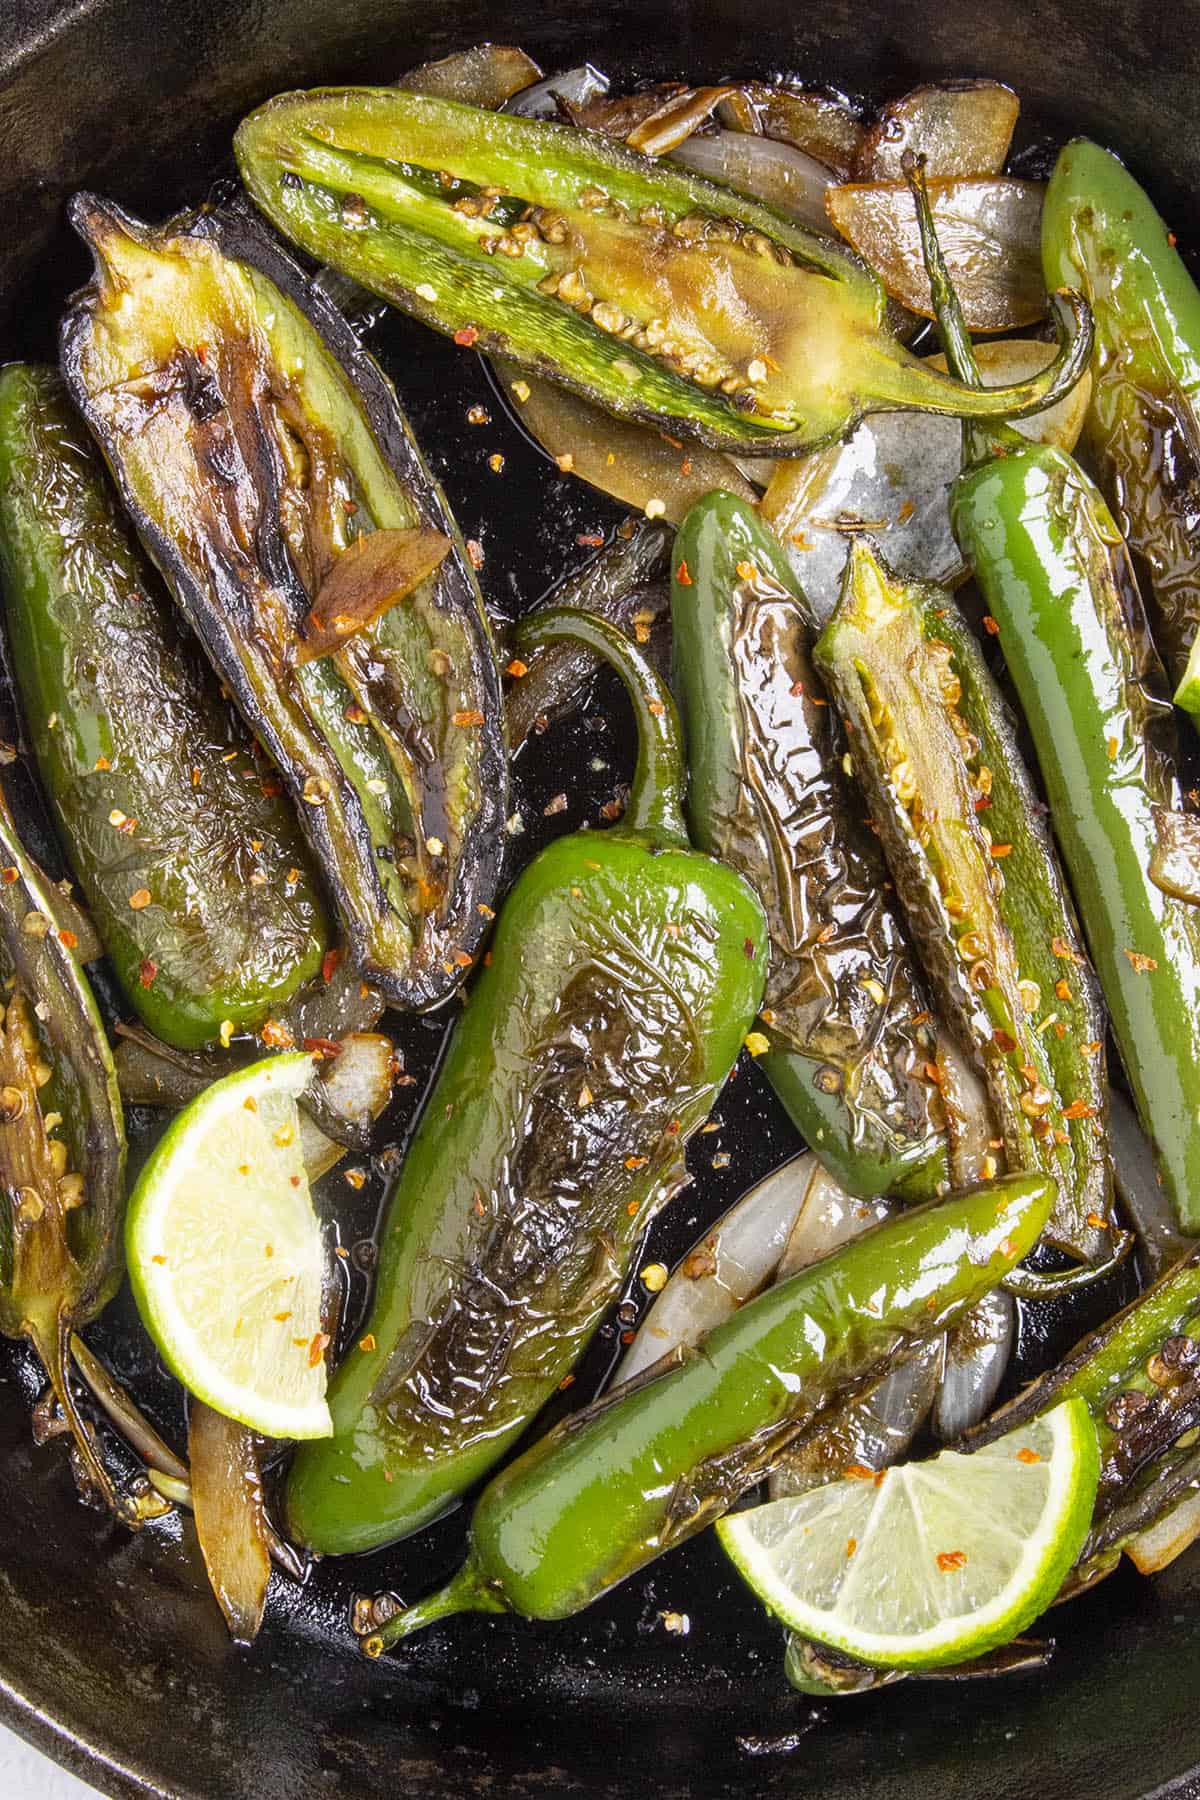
(846, 1016)
(191, 864)
(62, 1148)
(623, 975)
(267, 467)
(1059, 587)
(989, 912)
(655, 1461)
(661, 296)
(1101, 233)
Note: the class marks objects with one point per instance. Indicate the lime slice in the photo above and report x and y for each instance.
(928, 1563)
(225, 1253)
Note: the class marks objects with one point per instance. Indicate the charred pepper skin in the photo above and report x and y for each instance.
(845, 1010)
(940, 768)
(649, 1465)
(623, 975)
(149, 773)
(587, 262)
(1100, 233)
(257, 446)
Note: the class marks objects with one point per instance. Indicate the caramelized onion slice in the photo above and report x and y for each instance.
(375, 573)
(822, 125)
(777, 174)
(231, 1519)
(893, 475)
(959, 127)
(632, 463)
(355, 1086)
(574, 86)
(990, 230)
(485, 75)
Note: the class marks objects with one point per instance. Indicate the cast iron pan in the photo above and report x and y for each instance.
(112, 1654)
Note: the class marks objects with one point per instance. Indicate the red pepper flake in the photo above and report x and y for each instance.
(466, 336)
(906, 512)
(982, 802)
(1026, 1455)
(858, 1472)
(139, 899)
(160, 1260)
(851, 1546)
(1091, 1048)
(1062, 989)
(1065, 951)
(329, 963)
(68, 939)
(1007, 1247)
(517, 668)
(827, 934)
(1097, 1223)
(478, 415)
(591, 539)
(354, 713)
(683, 575)
(746, 571)
(355, 1178)
(9, 875)
(1141, 963)
(656, 707)
(487, 959)
(475, 553)
(990, 625)
(799, 539)
(147, 970)
(468, 716)
(1112, 746)
(102, 762)
(323, 1049)
(932, 1073)
(685, 467)
(675, 443)
(627, 1337)
(949, 1561)
(566, 1382)
(636, 1162)
(367, 1343)
(1000, 849)
(1079, 1109)
(276, 1035)
(462, 960)
(1172, 239)
(612, 809)
(317, 1347)
(484, 910)
(750, 948)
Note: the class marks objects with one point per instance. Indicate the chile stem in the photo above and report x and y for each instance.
(656, 796)
(464, 1592)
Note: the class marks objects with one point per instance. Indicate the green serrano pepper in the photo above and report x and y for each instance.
(661, 296)
(269, 471)
(1056, 577)
(654, 1462)
(62, 1147)
(191, 865)
(845, 1014)
(623, 975)
(934, 753)
(1101, 233)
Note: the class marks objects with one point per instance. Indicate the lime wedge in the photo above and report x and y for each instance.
(928, 1563)
(225, 1253)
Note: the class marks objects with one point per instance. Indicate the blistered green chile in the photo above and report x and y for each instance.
(150, 774)
(623, 975)
(609, 1490)
(845, 1010)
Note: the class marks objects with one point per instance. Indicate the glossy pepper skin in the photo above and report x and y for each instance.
(979, 880)
(1100, 233)
(661, 296)
(263, 458)
(1056, 576)
(623, 975)
(654, 1462)
(62, 1146)
(845, 1009)
(132, 739)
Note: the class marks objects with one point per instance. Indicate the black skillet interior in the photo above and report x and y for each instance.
(112, 1655)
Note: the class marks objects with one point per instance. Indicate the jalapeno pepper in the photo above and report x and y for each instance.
(1058, 584)
(654, 1462)
(661, 296)
(1101, 233)
(267, 467)
(845, 1011)
(62, 1147)
(901, 674)
(623, 975)
(193, 869)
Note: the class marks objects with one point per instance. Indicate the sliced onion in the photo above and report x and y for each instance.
(977, 1354)
(485, 75)
(355, 1086)
(1140, 1192)
(990, 231)
(1160, 1543)
(231, 1520)
(828, 1218)
(576, 86)
(781, 176)
(822, 125)
(724, 1268)
(675, 120)
(893, 475)
(970, 1127)
(959, 127)
(874, 1428)
(631, 463)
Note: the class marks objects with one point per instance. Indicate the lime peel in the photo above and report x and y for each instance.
(225, 1253)
(929, 1563)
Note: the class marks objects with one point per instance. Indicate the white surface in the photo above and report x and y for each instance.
(25, 1774)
